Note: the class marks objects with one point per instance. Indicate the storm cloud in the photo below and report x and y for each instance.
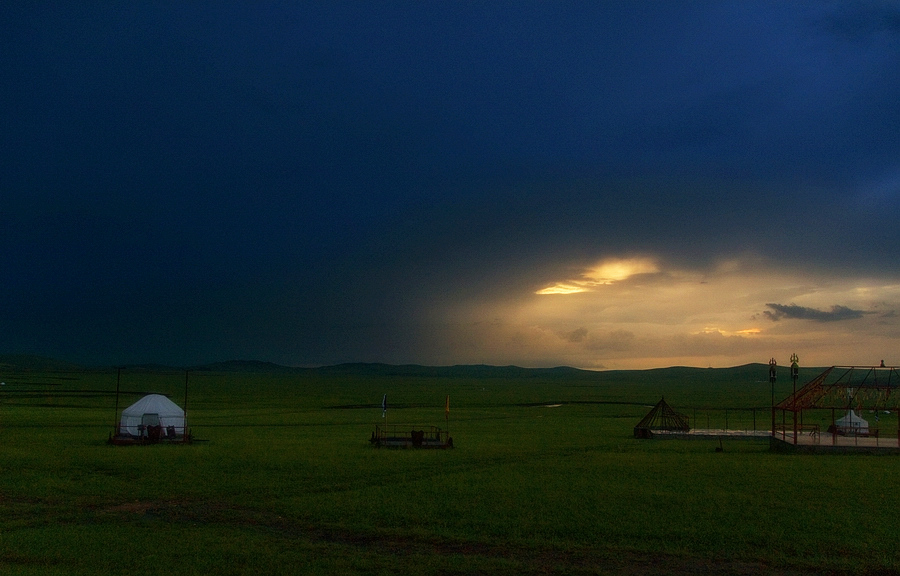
(792, 311)
(597, 184)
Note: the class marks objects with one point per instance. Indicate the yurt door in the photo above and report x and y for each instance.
(148, 420)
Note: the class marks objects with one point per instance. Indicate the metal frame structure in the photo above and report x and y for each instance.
(661, 418)
(838, 388)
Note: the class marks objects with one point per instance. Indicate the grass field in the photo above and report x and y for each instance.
(545, 479)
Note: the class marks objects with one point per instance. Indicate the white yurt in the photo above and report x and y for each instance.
(852, 423)
(152, 410)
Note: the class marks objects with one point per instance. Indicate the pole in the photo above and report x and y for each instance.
(772, 375)
(794, 412)
(447, 414)
(795, 369)
(185, 432)
(833, 429)
(116, 423)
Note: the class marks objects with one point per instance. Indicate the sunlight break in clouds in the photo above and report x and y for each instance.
(721, 315)
(562, 289)
(604, 273)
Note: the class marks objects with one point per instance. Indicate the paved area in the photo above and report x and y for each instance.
(806, 438)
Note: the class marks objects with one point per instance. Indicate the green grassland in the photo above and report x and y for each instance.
(546, 478)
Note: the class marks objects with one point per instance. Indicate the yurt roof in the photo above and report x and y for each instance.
(851, 418)
(154, 404)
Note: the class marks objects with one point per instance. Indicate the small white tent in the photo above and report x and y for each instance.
(152, 410)
(852, 423)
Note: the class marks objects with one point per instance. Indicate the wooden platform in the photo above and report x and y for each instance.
(129, 440)
(711, 433)
(405, 436)
(809, 440)
(827, 443)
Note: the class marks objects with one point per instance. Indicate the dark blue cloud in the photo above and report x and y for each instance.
(183, 181)
(864, 21)
(792, 311)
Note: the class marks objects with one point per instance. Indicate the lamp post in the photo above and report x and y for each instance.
(795, 370)
(772, 376)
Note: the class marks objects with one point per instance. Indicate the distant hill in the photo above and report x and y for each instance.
(151, 368)
(246, 366)
(674, 375)
(380, 369)
(466, 371)
(33, 362)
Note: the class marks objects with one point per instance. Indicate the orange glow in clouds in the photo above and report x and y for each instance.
(562, 289)
(604, 273)
(638, 313)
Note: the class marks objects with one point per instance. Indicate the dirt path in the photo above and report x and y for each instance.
(520, 560)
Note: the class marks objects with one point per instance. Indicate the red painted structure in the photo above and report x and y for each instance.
(810, 415)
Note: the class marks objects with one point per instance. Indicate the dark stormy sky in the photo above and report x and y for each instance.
(595, 184)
